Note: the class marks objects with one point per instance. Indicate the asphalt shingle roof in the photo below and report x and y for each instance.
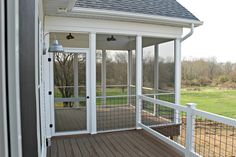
(169, 8)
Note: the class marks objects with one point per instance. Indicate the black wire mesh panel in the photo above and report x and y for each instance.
(214, 139)
(117, 113)
(165, 121)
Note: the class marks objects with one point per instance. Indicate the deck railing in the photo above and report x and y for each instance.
(192, 131)
(115, 113)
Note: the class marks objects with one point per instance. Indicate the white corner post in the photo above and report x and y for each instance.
(156, 75)
(190, 130)
(92, 63)
(103, 68)
(4, 149)
(129, 76)
(13, 77)
(177, 77)
(138, 80)
(76, 79)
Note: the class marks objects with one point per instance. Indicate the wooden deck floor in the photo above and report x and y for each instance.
(136, 143)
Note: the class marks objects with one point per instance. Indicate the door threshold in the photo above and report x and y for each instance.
(69, 133)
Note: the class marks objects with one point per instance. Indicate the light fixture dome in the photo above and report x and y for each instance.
(56, 47)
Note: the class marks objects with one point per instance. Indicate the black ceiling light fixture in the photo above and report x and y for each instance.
(112, 38)
(70, 36)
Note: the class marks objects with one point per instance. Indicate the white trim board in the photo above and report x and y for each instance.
(70, 24)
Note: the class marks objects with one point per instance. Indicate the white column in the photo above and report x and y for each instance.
(93, 120)
(138, 79)
(177, 76)
(129, 76)
(103, 80)
(156, 75)
(76, 79)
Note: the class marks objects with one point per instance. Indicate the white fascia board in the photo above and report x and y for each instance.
(102, 26)
(119, 15)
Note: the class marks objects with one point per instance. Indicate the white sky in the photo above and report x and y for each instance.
(216, 37)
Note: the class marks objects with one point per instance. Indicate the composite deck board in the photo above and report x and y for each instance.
(133, 143)
(82, 146)
(118, 146)
(123, 144)
(61, 148)
(53, 151)
(144, 151)
(110, 146)
(75, 148)
(151, 148)
(103, 146)
(68, 148)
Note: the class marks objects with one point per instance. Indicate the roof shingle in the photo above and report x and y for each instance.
(169, 8)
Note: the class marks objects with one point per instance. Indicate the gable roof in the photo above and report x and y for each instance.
(167, 8)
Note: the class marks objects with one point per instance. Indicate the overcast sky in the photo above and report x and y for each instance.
(217, 36)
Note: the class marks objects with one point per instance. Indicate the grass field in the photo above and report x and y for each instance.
(213, 100)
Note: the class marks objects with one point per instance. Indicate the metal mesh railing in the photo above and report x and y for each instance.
(119, 112)
(214, 139)
(165, 121)
(192, 131)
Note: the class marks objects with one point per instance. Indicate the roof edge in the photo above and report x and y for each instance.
(120, 15)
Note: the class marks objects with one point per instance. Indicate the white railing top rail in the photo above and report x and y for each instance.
(196, 112)
(215, 117)
(158, 94)
(115, 96)
(96, 86)
(164, 103)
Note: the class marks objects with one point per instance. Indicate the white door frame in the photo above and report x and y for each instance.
(88, 106)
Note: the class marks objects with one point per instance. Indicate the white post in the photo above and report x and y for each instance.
(190, 129)
(92, 44)
(177, 76)
(138, 79)
(3, 99)
(156, 76)
(129, 76)
(103, 79)
(76, 79)
(48, 76)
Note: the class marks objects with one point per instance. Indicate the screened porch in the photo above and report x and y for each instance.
(133, 90)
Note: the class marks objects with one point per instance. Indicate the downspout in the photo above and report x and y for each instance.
(189, 34)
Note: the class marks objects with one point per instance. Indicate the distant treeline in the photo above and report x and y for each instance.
(208, 72)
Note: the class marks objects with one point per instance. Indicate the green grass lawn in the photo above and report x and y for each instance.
(213, 100)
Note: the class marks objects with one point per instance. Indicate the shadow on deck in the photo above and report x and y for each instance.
(134, 143)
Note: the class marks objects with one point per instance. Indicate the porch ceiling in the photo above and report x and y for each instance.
(121, 43)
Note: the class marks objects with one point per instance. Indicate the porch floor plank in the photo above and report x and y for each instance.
(125, 143)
